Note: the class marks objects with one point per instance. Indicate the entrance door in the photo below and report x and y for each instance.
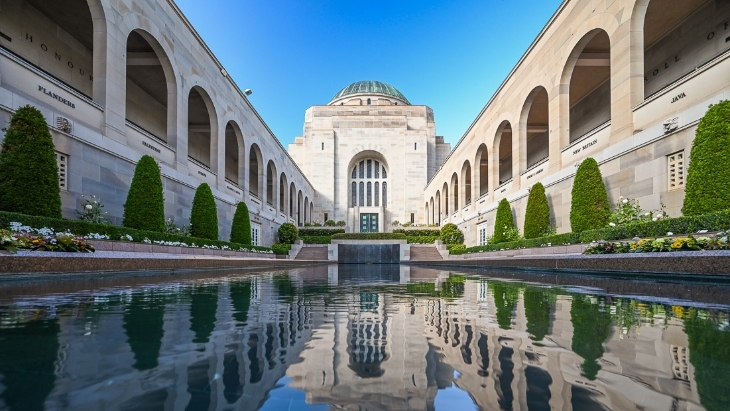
(369, 223)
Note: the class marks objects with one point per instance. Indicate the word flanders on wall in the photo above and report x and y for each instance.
(56, 97)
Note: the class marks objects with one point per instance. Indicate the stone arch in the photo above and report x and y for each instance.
(234, 149)
(256, 172)
(439, 207)
(368, 173)
(534, 128)
(292, 200)
(271, 183)
(445, 193)
(299, 208)
(306, 209)
(481, 165)
(283, 193)
(202, 128)
(151, 87)
(455, 192)
(503, 152)
(587, 75)
(466, 191)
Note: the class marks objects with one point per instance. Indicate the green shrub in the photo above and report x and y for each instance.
(204, 214)
(589, 208)
(280, 248)
(708, 176)
(341, 223)
(551, 240)
(145, 206)
(422, 239)
(504, 223)
(450, 234)
(330, 223)
(418, 232)
(316, 239)
(241, 227)
(288, 233)
(320, 231)
(680, 225)
(456, 249)
(369, 236)
(28, 170)
(537, 213)
(114, 232)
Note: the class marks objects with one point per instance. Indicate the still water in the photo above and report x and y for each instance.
(376, 337)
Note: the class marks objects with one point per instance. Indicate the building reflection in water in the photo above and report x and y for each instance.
(359, 337)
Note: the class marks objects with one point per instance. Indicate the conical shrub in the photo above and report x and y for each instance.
(145, 206)
(28, 169)
(241, 228)
(589, 208)
(537, 213)
(708, 176)
(204, 215)
(504, 223)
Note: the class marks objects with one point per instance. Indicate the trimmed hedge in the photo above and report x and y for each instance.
(370, 236)
(680, 225)
(708, 176)
(450, 234)
(419, 232)
(287, 233)
(422, 239)
(281, 249)
(589, 207)
(316, 239)
(114, 232)
(557, 239)
(456, 249)
(145, 205)
(241, 226)
(320, 231)
(503, 222)
(204, 214)
(28, 170)
(537, 213)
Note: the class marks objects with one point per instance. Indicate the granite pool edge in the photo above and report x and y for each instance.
(689, 262)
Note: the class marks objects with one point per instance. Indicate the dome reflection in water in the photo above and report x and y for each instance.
(375, 337)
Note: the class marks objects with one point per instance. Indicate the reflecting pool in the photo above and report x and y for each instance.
(372, 337)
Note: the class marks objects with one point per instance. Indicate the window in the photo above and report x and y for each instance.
(354, 195)
(366, 184)
(368, 102)
(255, 234)
(322, 146)
(413, 218)
(415, 146)
(62, 163)
(370, 194)
(362, 194)
(377, 169)
(482, 234)
(362, 169)
(326, 217)
(675, 170)
(385, 173)
(354, 172)
(370, 169)
(377, 194)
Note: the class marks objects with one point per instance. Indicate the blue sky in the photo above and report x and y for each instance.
(449, 55)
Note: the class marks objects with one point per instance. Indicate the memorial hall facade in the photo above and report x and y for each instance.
(622, 81)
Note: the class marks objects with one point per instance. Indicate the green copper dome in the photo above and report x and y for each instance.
(370, 87)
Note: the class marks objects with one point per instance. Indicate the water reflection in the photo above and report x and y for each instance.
(360, 337)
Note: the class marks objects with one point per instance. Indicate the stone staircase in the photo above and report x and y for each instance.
(317, 253)
(425, 252)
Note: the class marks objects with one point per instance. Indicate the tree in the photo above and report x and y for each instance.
(145, 206)
(504, 224)
(537, 213)
(204, 214)
(708, 177)
(288, 233)
(241, 228)
(28, 169)
(450, 234)
(589, 208)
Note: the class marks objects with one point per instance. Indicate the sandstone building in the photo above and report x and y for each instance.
(623, 81)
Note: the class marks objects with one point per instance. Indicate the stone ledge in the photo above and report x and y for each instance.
(690, 262)
(125, 246)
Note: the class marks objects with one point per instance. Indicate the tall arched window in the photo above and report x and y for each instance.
(367, 182)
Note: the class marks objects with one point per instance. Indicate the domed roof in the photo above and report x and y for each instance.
(370, 87)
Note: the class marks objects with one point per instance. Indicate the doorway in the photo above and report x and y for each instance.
(369, 222)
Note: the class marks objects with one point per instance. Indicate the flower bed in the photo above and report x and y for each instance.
(20, 237)
(718, 241)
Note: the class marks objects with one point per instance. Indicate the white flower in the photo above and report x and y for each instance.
(670, 233)
(702, 231)
(648, 213)
(625, 201)
(612, 224)
(88, 206)
(654, 219)
(658, 215)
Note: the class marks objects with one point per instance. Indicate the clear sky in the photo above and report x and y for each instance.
(449, 55)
